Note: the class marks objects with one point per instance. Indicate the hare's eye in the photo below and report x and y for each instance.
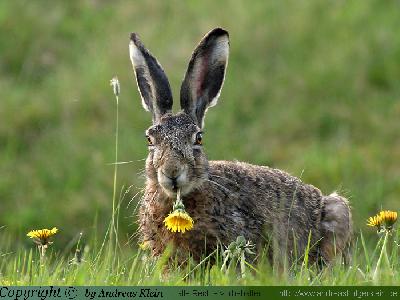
(149, 142)
(199, 138)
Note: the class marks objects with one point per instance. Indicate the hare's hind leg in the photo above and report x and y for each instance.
(336, 228)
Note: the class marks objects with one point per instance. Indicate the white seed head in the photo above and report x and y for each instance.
(115, 84)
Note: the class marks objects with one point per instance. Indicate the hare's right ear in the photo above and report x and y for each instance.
(205, 74)
(153, 84)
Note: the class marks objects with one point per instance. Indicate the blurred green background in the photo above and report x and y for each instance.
(312, 88)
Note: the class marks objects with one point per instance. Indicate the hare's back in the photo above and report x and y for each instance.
(273, 193)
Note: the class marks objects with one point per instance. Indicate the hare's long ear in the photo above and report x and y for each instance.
(205, 74)
(153, 84)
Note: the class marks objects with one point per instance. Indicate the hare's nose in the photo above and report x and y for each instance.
(172, 171)
(173, 177)
(174, 181)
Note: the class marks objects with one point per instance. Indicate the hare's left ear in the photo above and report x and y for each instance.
(205, 74)
(152, 82)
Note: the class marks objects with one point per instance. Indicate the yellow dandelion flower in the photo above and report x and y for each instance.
(375, 221)
(178, 221)
(384, 220)
(389, 217)
(42, 236)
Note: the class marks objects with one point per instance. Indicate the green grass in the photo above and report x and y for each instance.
(311, 88)
(95, 264)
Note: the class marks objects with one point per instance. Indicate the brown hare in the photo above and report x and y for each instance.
(226, 199)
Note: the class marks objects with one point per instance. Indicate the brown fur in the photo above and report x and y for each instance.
(226, 199)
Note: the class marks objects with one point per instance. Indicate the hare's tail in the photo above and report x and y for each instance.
(336, 227)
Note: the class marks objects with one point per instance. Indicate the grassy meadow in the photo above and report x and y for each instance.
(312, 88)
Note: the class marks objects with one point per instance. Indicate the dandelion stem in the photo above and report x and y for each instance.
(42, 252)
(178, 198)
(383, 252)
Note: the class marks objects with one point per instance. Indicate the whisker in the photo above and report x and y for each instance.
(133, 197)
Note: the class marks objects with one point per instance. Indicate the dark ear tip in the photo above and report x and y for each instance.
(219, 31)
(138, 43)
(134, 37)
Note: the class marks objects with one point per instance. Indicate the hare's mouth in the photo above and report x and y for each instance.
(171, 183)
